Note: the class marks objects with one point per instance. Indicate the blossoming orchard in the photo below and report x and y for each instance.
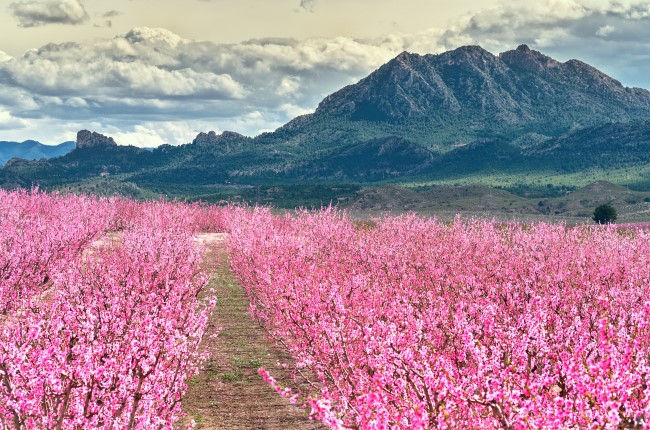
(400, 323)
(96, 333)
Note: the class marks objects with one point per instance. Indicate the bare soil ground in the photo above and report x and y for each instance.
(228, 393)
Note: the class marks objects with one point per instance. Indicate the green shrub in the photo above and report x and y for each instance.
(604, 214)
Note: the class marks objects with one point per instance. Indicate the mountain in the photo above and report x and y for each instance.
(519, 88)
(463, 115)
(469, 94)
(94, 155)
(32, 150)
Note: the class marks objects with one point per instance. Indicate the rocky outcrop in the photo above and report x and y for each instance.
(205, 138)
(514, 88)
(525, 60)
(13, 161)
(87, 139)
(212, 138)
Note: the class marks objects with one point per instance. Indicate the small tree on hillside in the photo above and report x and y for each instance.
(604, 214)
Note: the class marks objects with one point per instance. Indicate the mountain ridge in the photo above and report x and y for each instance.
(32, 150)
(471, 78)
(433, 117)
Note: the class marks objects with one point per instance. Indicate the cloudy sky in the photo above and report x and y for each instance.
(149, 72)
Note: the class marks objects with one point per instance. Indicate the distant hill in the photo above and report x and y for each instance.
(463, 115)
(32, 150)
(478, 199)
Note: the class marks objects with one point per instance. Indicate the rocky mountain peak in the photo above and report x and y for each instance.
(87, 139)
(203, 138)
(211, 137)
(519, 86)
(594, 80)
(404, 64)
(471, 49)
(231, 135)
(405, 55)
(406, 58)
(525, 59)
(469, 53)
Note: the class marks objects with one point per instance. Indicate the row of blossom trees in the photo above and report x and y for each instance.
(405, 322)
(415, 323)
(97, 329)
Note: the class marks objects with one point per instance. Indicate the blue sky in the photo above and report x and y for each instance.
(149, 72)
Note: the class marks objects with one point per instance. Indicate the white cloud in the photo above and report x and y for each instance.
(550, 37)
(152, 85)
(153, 134)
(293, 111)
(16, 99)
(289, 86)
(566, 29)
(9, 122)
(32, 13)
(605, 30)
(511, 19)
(158, 75)
(123, 67)
(153, 36)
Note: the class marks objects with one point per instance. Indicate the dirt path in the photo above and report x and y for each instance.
(228, 393)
